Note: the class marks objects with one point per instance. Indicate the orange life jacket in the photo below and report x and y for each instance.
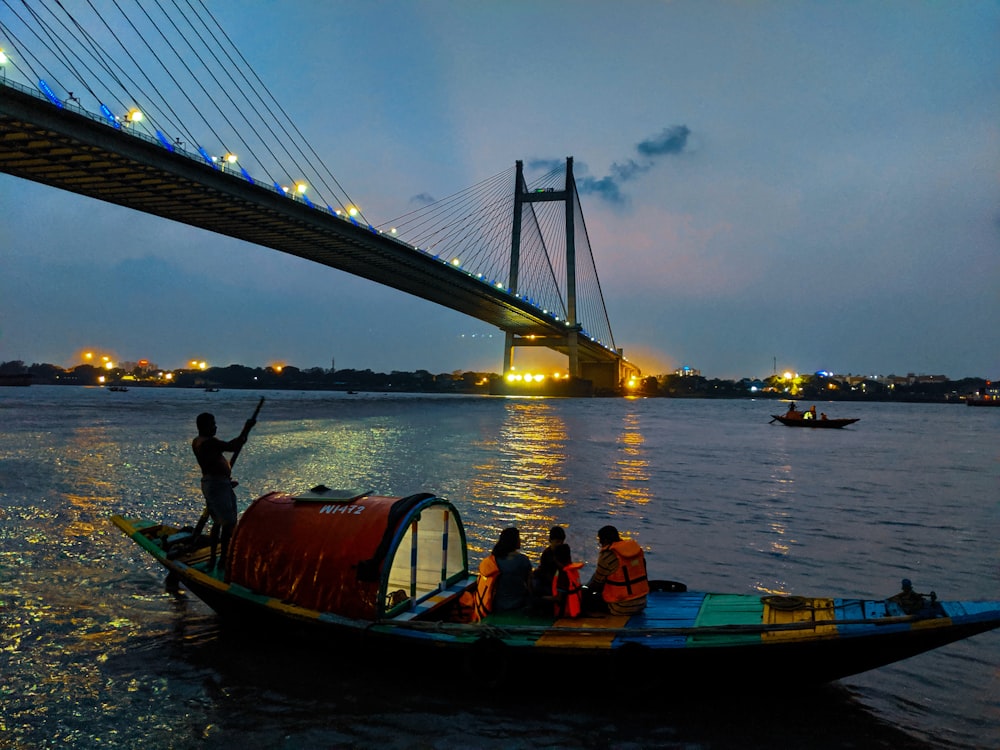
(485, 588)
(629, 579)
(574, 595)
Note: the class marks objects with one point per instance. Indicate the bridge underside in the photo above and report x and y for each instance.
(74, 151)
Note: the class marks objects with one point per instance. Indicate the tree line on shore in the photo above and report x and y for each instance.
(809, 387)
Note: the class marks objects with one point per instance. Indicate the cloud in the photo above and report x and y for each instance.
(547, 164)
(422, 199)
(673, 140)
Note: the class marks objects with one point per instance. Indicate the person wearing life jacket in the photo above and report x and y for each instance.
(482, 603)
(620, 578)
(541, 577)
(567, 593)
(503, 577)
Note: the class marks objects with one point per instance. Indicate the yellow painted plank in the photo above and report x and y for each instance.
(816, 611)
(590, 639)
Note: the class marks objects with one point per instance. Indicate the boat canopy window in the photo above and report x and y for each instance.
(429, 556)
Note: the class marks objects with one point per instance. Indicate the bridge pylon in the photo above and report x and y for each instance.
(604, 375)
(522, 196)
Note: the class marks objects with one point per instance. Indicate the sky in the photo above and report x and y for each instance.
(767, 186)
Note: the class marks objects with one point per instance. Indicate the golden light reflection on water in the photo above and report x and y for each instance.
(524, 478)
(310, 452)
(631, 469)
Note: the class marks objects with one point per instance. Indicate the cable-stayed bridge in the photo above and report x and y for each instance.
(514, 255)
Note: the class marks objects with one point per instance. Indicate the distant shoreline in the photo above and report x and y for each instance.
(804, 388)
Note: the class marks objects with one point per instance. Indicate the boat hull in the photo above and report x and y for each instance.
(833, 424)
(689, 639)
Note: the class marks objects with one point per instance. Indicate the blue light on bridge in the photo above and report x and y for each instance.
(50, 95)
(110, 117)
(166, 144)
(208, 159)
(246, 176)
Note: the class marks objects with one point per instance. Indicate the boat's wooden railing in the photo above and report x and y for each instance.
(426, 605)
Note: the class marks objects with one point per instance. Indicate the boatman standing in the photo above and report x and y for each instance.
(217, 478)
(620, 582)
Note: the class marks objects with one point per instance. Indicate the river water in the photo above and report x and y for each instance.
(95, 653)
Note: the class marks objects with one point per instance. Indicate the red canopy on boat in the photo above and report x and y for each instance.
(344, 553)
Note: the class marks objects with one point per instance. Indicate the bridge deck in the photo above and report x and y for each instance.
(76, 151)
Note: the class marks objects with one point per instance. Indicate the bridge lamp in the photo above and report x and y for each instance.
(352, 211)
(3, 64)
(457, 262)
(301, 187)
(133, 116)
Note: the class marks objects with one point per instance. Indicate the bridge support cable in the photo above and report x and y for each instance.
(75, 46)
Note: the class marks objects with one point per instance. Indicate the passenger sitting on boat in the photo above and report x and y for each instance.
(217, 479)
(811, 414)
(822, 415)
(619, 583)
(567, 593)
(511, 584)
(541, 577)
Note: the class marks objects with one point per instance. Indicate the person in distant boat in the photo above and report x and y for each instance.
(811, 414)
(908, 599)
(792, 412)
(217, 480)
(511, 585)
(619, 584)
(567, 593)
(822, 415)
(541, 577)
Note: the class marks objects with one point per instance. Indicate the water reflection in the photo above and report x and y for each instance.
(631, 469)
(523, 481)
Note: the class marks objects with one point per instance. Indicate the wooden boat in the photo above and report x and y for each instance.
(381, 578)
(812, 422)
(987, 396)
(982, 401)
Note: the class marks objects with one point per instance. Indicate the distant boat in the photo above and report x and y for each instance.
(801, 421)
(988, 396)
(211, 389)
(982, 401)
(118, 388)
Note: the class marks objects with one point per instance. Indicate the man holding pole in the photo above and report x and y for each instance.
(217, 477)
